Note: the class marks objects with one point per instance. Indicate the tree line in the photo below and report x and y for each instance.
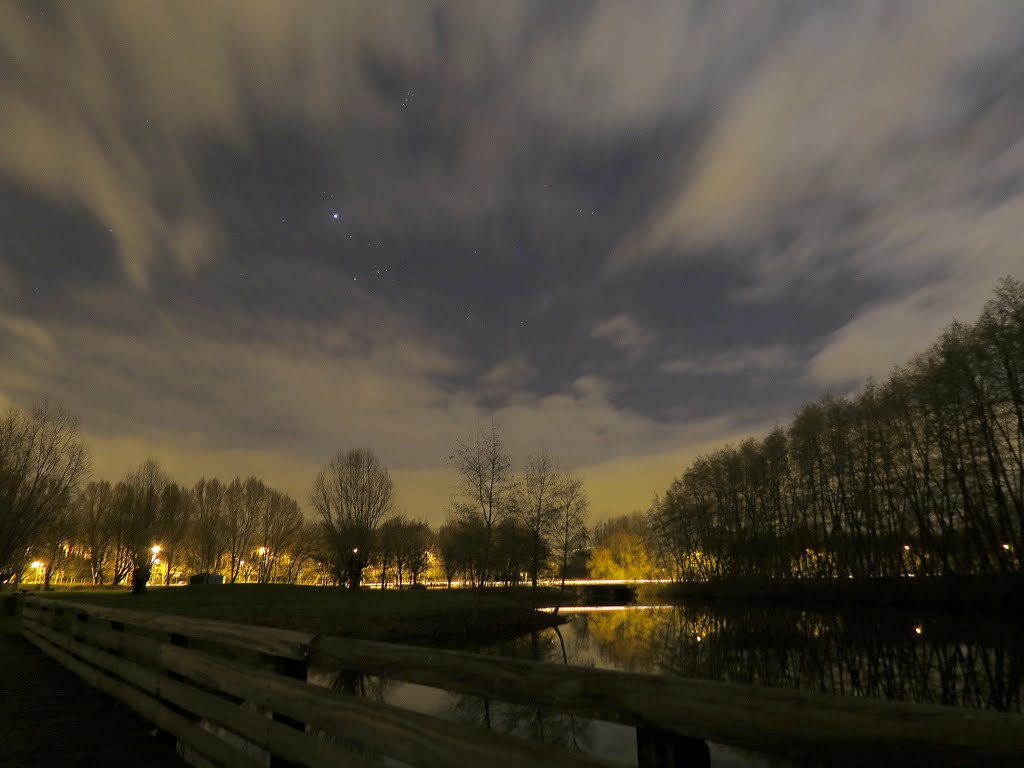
(920, 475)
(148, 528)
(501, 528)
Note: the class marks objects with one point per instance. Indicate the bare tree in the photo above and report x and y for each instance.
(206, 541)
(42, 461)
(176, 509)
(406, 544)
(419, 543)
(94, 509)
(144, 489)
(486, 485)
(243, 506)
(571, 504)
(304, 552)
(54, 543)
(537, 509)
(922, 474)
(459, 544)
(279, 523)
(352, 494)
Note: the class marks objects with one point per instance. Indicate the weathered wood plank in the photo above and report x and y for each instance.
(273, 642)
(249, 724)
(801, 725)
(414, 738)
(841, 730)
(149, 708)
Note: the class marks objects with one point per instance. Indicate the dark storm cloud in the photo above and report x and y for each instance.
(240, 234)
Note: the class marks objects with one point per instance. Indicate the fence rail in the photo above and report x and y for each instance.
(198, 679)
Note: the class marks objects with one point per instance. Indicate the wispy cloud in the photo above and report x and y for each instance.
(772, 359)
(623, 333)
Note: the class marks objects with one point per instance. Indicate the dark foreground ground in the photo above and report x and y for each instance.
(49, 718)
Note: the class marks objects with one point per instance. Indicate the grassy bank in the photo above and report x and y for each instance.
(427, 617)
(1002, 594)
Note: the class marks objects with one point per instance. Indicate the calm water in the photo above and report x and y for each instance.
(975, 662)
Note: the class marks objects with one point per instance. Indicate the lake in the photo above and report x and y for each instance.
(956, 660)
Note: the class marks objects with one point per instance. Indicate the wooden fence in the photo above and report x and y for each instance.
(234, 693)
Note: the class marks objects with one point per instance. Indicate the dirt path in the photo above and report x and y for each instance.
(48, 717)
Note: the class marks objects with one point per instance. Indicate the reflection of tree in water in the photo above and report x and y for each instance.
(879, 655)
(626, 639)
(568, 731)
(357, 684)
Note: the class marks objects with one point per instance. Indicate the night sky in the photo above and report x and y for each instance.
(238, 236)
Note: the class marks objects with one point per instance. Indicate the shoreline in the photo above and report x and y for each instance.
(1001, 595)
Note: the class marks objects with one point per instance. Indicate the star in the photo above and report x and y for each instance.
(335, 215)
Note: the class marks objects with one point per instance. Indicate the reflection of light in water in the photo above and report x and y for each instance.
(604, 608)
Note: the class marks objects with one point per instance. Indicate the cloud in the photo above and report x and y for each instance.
(19, 329)
(771, 359)
(508, 376)
(835, 177)
(623, 333)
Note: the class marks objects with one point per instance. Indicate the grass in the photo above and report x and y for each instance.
(433, 617)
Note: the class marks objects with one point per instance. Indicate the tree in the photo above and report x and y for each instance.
(459, 543)
(922, 474)
(42, 461)
(306, 549)
(386, 553)
(419, 543)
(54, 543)
(570, 524)
(94, 510)
(177, 507)
(277, 526)
(537, 510)
(620, 550)
(352, 494)
(486, 485)
(207, 536)
(243, 506)
(143, 494)
(513, 551)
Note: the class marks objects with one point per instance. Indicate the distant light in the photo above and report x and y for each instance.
(262, 550)
(906, 547)
(156, 548)
(334, 216)
(918, 629)
(355, 551)
(156, 561)
(35, 564)
(1006, 547)
(699, 638)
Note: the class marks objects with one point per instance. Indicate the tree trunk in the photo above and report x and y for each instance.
(140, 577)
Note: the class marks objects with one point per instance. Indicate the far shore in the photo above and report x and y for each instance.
(990, 594)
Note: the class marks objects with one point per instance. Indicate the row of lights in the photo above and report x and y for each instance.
(1004, 547)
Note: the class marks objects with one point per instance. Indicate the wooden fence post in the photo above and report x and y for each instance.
(297, 669)
(659, 749)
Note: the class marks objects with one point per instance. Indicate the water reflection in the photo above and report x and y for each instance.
(974, 662)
